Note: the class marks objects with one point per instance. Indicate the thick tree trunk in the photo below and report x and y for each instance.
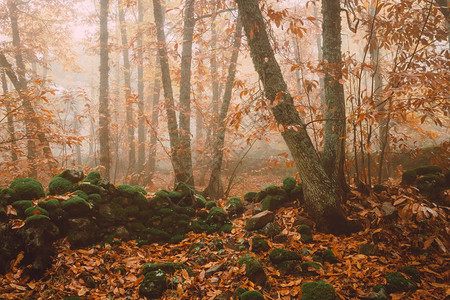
(333, 155)
(214, 77)
(321, 200)
(128, 96)
(105, 157)
(214, 190)
(10, 121)
(141, 122)
(151, 165)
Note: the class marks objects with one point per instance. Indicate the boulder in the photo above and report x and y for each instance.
(258, 221)
(318, 290)
(27, 188)
(154, 285)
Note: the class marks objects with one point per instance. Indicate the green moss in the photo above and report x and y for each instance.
(304, 229)
(76, 207)
(259, 244)
(250, 196)
(210, 204)
(49, 205)
(195, 247)
(89, 188)
(318, 290)
(430, 169)
(238, 292)
(216, 215)
(288, 267)
(96, 199)
(430, 182)
(176, 239)
(155, 234)
(59, 186)
(154, 285)
(36, 219)
(412, 272)
(140, 200)
(408, 177)
(174, 196)
(266, 203)
(120, 270)
(72, 298)
(163, 194)
(252, 295)
(185, 189)
(289, 183)
(378, 188)
(131, 211)
(278, 255)
(234, 206)
(137, 226)
(271, 229)
(21, 206)
(140, 189)
(226, 228)
(329, 256)
(93, 177)
(27, 188)
(158, 202)
(244, 260)
(396, 282)
(167, 267)
(272, 190)
(7, 196)
(297, 193)
(200, 200)
(73, 175)
(306, 238)
(35, 210)
(308, 264)
(255, 272)
(81, 194)
(126, 190)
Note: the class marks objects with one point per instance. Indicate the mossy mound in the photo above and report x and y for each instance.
(271, 229)
(429, 169)
(255, 272)
(168, 267)
(81, 194)
(90, 188)
(234, 206)
(27, 188)
(93, 177)
(329, 256)
(7, 196)
(210, 204)
(306, 265)
(76, 207)
(154, 285)
(59, 185)
(250, 196)
(259, 244)
(278, 255)
(367, 249)
(35, 210)
(318, 290)
(409, 177)
(21, 206)
(378, 188)
(304, 229)
(396, 282)
(412, 272)
(289, 184)
(36, 220)
(252, 295)
(74, 176)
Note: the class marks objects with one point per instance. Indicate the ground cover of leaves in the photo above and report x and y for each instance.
(416, 234)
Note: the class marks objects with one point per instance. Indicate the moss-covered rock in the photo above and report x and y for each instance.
(27, 188)
(59, 185)
(271, 229)
(430, 169)
(93, 177)
(304, 229)
(76, 207)
(21, 206)
(396, 282)
(35, 210)
(412, 272)
(289, 183)
(306, 265)
(127, 190)
(155, 235)
(81, 232)
(252, 295)
(278, 255)
(318, 290)
(36, 220)
(159, 201)
(96, 199)
(250, 196)
(306, 238)
(90, 188)
(74, 176)
(140, 189)
(378, 188)
(234, 206)
(81, 194)
(210, 204)
(216, 215)
(227, 227)
(329, 256)
(167, 267)
(255, 272)
(238, 292)
(200, 201)
(367, 249)
(409, 177)
(7, 196)
(259, 244)
(154, 285)
(267, 203)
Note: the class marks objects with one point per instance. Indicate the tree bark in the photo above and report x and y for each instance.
(10, 121)
(104, 117)
(214, 190)
(141, 122)
(333, 156)
(321, 200)
(151, 165)
(128, 94)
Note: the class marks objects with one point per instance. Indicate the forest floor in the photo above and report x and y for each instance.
(409, 231)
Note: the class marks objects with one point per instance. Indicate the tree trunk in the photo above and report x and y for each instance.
(321, 200)
(10, 120)
(128, 94)
(333, 156)
(214, 190)
(105, 158)
(151, 165)
(141, 123)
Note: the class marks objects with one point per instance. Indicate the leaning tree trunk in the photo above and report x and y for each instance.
(141, 122)
(128, 97)
(214, 190)
(105, 158)
(321, 200)
(333, 155)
